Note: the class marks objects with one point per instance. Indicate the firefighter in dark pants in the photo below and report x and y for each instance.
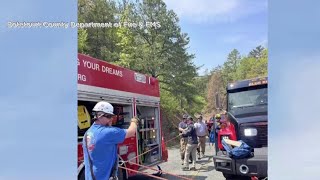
(192, 143)
(217, 128)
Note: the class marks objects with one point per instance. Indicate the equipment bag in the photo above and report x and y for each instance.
(241, 152)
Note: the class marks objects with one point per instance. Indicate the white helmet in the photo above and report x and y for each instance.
(103, 107)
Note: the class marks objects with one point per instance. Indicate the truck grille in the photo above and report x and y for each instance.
(261, 140)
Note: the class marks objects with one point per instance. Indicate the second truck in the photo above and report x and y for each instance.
(247, 120)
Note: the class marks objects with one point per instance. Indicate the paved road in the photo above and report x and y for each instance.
(204, 167)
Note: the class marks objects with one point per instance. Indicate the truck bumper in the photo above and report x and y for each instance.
(257, 165)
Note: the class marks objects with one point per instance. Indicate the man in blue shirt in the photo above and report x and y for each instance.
(100, 143)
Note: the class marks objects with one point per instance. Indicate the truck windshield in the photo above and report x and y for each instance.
(248, 101)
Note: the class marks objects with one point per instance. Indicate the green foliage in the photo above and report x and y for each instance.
(230, 66)
(201, 83)
(251, 67)
(100, 42)
(169, 103)
(257, 53)
(82, 40)
(159, 51)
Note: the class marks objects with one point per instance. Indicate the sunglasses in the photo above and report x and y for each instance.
(109, 116)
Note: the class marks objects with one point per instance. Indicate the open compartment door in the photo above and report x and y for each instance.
(149, 139)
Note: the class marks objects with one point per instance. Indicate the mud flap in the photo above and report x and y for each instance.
(164, 150)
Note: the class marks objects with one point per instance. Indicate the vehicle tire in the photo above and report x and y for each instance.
(122, 174)
(228, 176)
(81, 176)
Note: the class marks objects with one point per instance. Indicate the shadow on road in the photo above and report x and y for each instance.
(206, 169)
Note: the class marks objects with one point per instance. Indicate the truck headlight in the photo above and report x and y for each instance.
(250, 132)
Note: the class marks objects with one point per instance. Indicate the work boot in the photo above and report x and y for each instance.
(192, 169)
(198, 154)
(203, 156)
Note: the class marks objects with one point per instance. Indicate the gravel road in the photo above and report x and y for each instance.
(204, 167)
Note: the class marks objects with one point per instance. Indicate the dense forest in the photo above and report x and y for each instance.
(162, 52)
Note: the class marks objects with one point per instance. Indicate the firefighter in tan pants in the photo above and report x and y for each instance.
(202, 133)
(183, 140)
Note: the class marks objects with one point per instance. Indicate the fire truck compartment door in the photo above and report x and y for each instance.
(150, 103)
(83, 117)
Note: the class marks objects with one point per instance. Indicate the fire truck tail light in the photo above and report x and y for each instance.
(250, 132)
(123, 150)
(131, 157)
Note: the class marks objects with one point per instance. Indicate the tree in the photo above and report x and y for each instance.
(251, 67)
(230, 66)
(257, 52)
(99, 42)
(82, 40)
(159, 51)
(215, 86)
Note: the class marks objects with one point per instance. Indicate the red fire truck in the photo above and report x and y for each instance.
(131, 94)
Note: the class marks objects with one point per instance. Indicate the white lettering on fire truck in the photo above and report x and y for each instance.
(82, 77)
(91, 65)
(112, 71)
(96, 67)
